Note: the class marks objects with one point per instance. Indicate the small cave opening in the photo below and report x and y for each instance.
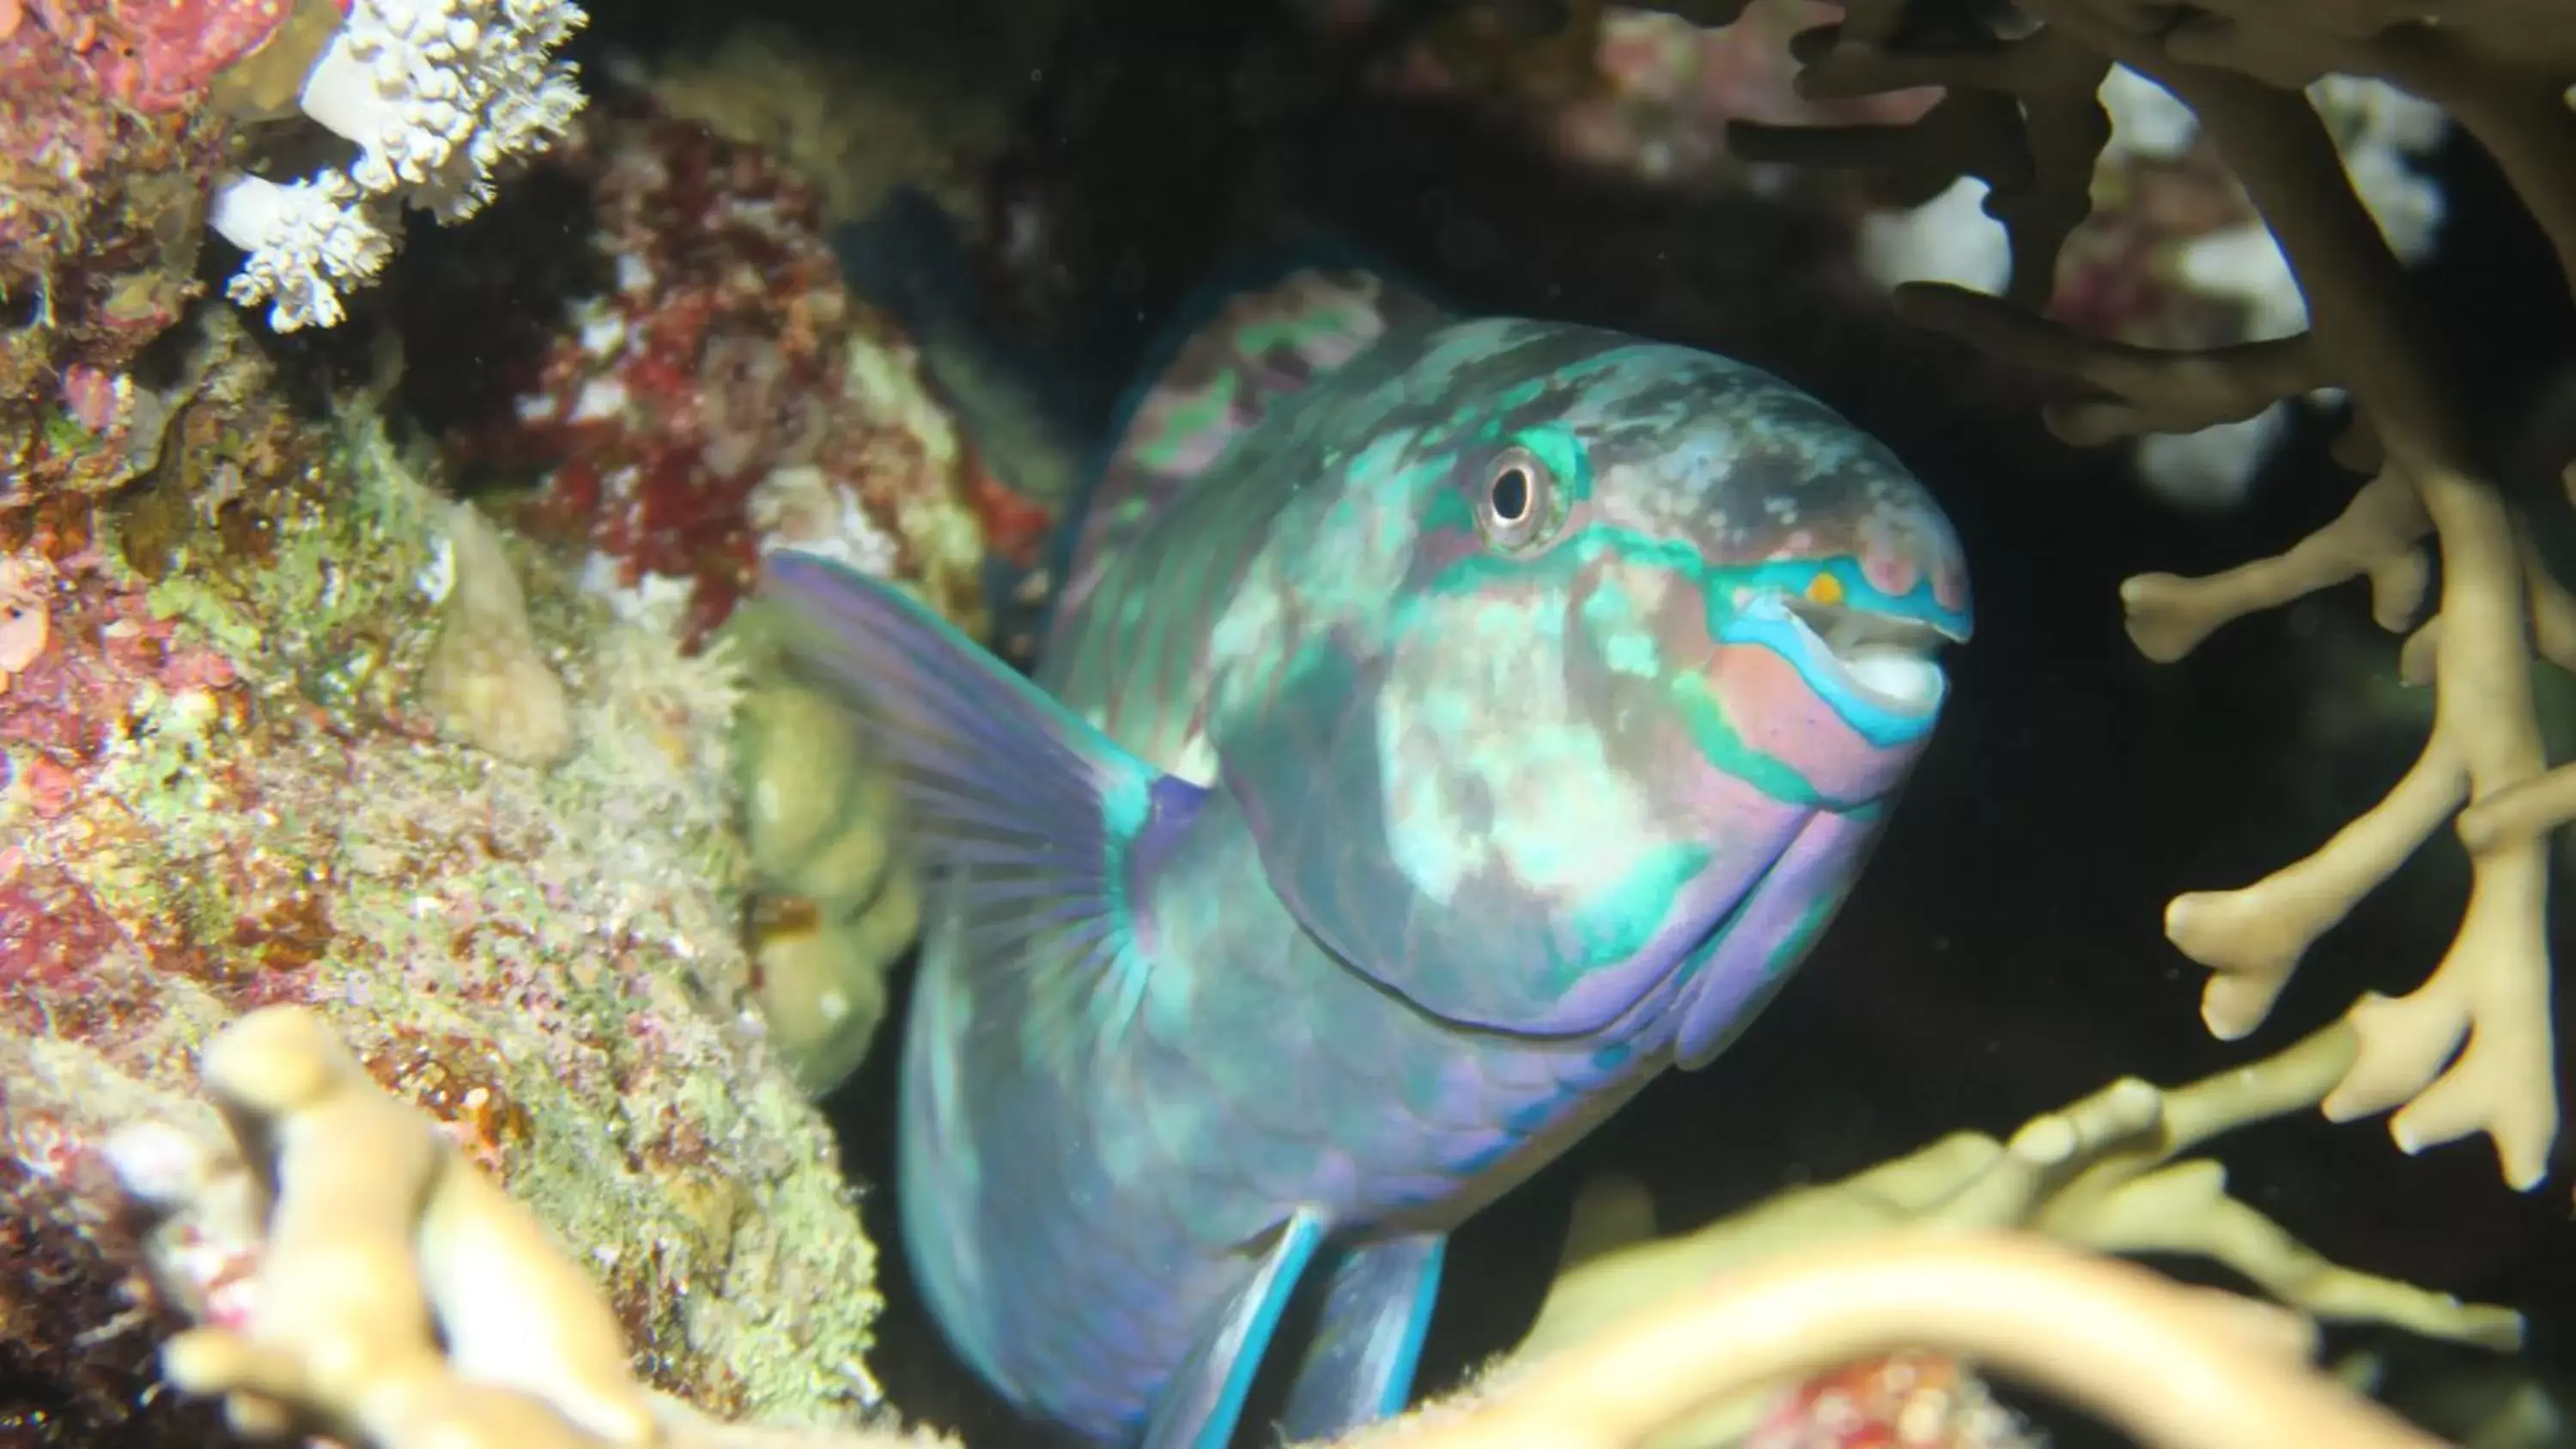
(2003, 953)
(1968, 984)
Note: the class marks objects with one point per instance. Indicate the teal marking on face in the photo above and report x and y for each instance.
(1564, 455)
(1628, 921)
(1627, 645)
(1795, 941)
(1724, 748)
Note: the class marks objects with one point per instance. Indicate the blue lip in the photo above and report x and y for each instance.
(1765, 620)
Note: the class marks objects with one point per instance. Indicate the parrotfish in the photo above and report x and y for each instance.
(1448, 724)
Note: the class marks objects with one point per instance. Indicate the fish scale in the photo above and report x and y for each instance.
(1451, 723)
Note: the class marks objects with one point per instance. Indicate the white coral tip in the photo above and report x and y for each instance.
(306, 241)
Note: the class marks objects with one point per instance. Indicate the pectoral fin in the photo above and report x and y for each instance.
(1360, 1368)
(1199, 1407)
(1030, 818)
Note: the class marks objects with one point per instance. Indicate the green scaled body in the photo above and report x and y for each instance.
(1448, 725)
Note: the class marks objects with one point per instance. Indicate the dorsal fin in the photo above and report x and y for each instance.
(1253, 337)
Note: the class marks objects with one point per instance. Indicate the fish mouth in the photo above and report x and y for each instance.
(1890, 661)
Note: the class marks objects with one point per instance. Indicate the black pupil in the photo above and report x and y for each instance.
(1511, 495)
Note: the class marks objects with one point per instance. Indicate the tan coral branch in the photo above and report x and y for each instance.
(2504, 1082)
(2553, 624)
(2520, 812)
(2179, 1368)
(2488, 1003)
(2101, 1173)
(382, 1241)
(2532, 808)
(2375, 535)
(2143, 389)
(2365, 317)
(2024, 115)
(2553, 609)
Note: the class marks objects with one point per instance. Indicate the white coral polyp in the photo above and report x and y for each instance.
(307, 242)
(438, 96)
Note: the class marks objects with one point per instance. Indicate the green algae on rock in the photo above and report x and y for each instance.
(221, 792)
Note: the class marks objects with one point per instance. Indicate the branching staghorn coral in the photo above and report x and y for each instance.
(2106, 1174)
(2176, 1367)
(2471, 1050)
(355, 1198)
(397, 1298)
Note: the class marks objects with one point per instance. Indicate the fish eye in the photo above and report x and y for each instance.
(1518, 498)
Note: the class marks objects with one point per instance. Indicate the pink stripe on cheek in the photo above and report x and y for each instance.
(1775, 712)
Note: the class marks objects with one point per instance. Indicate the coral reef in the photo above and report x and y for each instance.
(695, 387)
(349, 798)
(226, 787)
(117, 121)
(101, 203)
(839, 904)
(485, 677)
(721, 392)
(2108, 1173)
(439, 97)
(1836, 1292)
(857, 123)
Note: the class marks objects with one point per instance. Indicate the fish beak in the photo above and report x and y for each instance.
(1891, 662)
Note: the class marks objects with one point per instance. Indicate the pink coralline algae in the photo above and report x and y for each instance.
(67, 708)
(105, 161)
(78, 647)
(204, 809)
(156, 56)
(714, 389)
(1899, 1401)
(66, 701)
